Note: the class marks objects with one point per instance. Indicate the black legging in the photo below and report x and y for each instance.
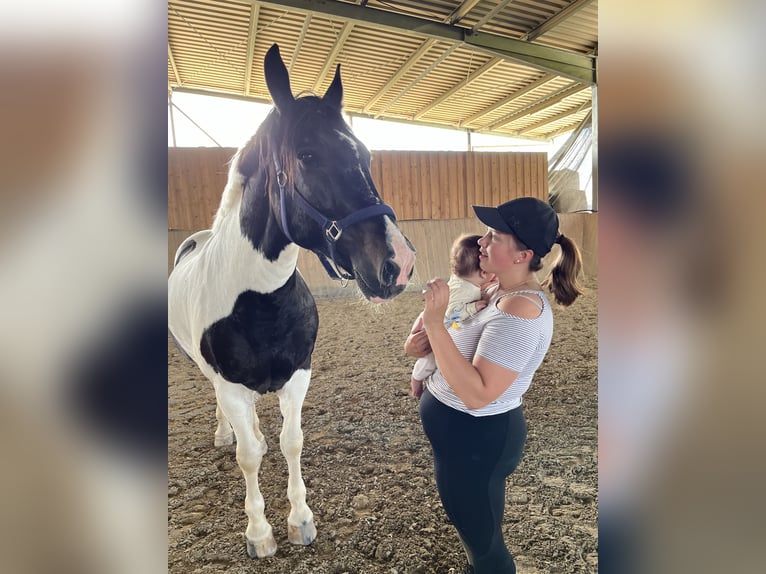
(472, 458)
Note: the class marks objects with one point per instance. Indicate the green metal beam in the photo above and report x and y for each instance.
(567, 64)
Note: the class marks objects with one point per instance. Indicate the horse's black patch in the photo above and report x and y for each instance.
(266, 338)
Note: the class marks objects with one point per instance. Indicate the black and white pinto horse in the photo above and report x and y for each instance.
(238, 307)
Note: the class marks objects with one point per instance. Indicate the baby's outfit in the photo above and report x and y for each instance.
(462, 304)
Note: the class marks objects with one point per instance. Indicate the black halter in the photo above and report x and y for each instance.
(332, 228)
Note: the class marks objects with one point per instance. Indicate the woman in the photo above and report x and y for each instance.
(471, 408)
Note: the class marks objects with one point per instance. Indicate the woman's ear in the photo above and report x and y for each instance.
(525, 255)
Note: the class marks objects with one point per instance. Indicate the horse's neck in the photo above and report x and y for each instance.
(255, 250)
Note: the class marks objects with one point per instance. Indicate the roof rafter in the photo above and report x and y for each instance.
(173, 65)
(251, 46)
(299, 44)
(455, 89)
(546, 102)
(560, 62)
(414, 57)
(333, 55)
(509, 98)
(555, 20)
(439, 60)
(556, 118)
(461, 11)
(491, 14)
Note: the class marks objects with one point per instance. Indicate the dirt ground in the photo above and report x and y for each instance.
(367, 464)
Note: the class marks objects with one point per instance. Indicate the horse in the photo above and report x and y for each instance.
(238, 306)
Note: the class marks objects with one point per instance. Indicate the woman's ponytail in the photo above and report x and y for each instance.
(563, 279)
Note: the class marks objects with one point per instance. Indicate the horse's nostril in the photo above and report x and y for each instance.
(389, 272)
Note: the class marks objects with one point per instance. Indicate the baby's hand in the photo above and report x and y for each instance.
(480, 304)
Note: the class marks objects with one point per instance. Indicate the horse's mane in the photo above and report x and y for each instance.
(237, 179)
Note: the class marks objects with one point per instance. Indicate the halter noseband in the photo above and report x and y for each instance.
(332, 228)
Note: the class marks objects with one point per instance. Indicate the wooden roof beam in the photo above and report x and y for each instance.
(540, 105)
(578, 67)
(555, 20)
(255, 8)
(332, 57)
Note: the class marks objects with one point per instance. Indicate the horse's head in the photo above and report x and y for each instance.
(322, 193)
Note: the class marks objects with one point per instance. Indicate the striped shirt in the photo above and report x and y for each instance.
(512, 342)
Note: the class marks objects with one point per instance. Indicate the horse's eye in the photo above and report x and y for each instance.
(306, 156)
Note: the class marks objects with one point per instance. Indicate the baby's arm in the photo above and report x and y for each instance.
(470, 308)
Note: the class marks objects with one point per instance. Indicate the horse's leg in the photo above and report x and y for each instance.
(237, 404)
(224, 434)
(300, 522)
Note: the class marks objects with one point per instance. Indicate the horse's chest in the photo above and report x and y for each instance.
(265, 339)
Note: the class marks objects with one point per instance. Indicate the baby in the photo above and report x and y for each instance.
(466, 282)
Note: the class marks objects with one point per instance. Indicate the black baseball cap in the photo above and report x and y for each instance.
(532, 220)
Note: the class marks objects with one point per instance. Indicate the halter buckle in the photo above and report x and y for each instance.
(334, 231)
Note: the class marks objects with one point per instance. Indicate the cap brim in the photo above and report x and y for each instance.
(490, 216)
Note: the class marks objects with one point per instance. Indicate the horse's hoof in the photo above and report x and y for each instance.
(225, 440)
(304, 533)
(262, 549)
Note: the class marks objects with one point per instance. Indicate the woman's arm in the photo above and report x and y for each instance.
(477, 383)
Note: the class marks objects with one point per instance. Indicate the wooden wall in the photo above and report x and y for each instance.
(417, 185)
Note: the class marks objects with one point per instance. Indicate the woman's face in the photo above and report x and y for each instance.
(497, 251)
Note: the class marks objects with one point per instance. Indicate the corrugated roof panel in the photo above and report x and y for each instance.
(209, 41)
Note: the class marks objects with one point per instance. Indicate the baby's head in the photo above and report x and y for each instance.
(464, 260)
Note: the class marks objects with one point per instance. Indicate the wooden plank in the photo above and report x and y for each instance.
(424, 209)
(528, 190)
(486, 175)
(413, 191)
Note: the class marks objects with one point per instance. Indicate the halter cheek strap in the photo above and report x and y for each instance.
(332, 228)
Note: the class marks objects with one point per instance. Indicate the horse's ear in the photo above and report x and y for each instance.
(334, 94)
(277, 79)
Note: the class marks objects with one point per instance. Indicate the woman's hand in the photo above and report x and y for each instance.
(436, 298)
(417, 344)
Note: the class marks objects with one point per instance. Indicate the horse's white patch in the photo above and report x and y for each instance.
(404, 256)
(194, 309)
(349, 140)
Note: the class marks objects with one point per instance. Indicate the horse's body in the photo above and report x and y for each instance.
(238, 306)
